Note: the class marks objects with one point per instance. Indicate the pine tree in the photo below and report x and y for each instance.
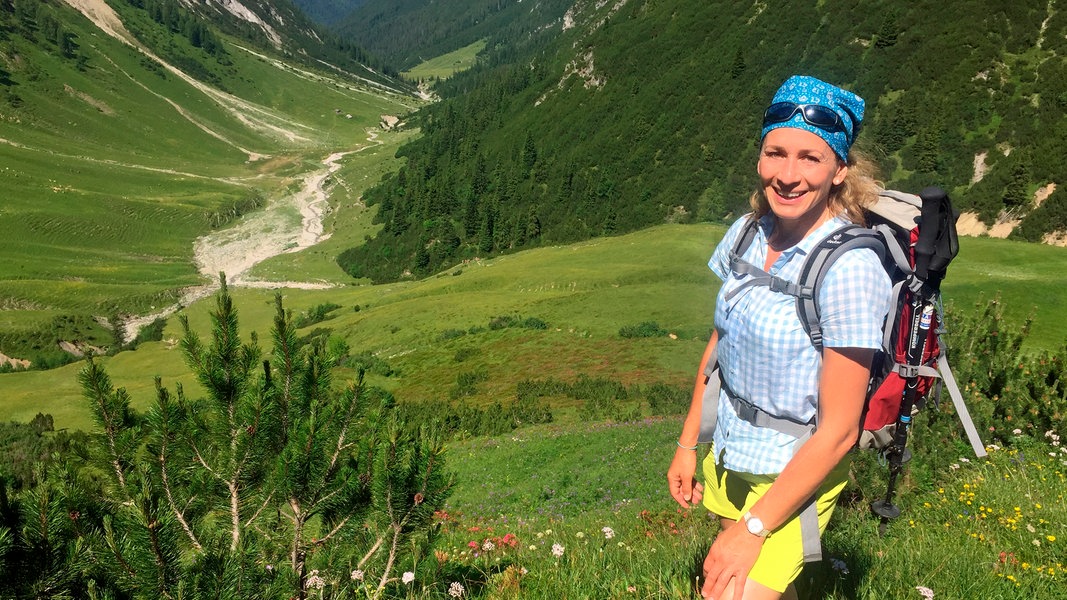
(272, 466)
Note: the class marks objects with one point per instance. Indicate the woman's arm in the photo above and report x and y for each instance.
(680, 480)
(842, 389)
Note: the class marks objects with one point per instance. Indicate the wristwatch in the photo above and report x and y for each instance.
(755, 525)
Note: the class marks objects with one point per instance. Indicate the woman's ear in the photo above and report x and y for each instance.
(842, 171)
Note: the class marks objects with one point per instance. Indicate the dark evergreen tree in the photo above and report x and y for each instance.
(272, 466)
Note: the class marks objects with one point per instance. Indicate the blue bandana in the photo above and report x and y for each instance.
(801, 89)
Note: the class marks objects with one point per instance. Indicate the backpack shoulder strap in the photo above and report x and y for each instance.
(818, 263)
(757, 276)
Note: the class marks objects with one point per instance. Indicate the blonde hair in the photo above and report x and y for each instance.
(849, 199)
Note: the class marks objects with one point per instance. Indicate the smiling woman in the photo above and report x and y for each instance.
(773, 478)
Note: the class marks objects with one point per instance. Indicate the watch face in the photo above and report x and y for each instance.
(755, 526)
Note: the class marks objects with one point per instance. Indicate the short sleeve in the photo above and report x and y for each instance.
(854, 300)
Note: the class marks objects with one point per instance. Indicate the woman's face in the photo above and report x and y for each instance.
(797, 170)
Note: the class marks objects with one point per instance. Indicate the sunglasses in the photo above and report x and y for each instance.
(813, 114)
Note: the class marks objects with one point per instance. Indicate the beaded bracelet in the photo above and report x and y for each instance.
(686, 447)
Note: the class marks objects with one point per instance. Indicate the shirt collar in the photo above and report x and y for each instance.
(766, 226)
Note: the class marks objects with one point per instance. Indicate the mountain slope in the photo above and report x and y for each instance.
(407, 32)
(122, 141)
(630, 113)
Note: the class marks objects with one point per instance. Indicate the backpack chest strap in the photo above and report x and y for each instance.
(759, 277)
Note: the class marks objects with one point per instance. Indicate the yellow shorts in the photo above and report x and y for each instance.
(730, 495)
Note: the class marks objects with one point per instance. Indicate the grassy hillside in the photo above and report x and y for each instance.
(432, 333)
(446, 65)
(597, 491)
(113, 164)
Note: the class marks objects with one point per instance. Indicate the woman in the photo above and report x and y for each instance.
(758, 479)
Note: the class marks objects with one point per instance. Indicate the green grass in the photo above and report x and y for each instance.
(585, 293)
(989, 529)
(444, 66)
(111, 171)
(1028, 277)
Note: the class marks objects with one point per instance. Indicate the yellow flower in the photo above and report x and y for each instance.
(1050, 538)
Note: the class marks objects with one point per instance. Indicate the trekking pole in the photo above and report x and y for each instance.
(922, 317)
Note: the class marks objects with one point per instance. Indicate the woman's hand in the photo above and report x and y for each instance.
(681, 483)
(730, 559)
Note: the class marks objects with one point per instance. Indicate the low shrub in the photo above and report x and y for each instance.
(646, 329)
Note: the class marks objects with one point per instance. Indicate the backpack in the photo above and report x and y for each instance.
(915, 238)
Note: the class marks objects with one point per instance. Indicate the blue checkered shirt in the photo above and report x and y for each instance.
(765, 354)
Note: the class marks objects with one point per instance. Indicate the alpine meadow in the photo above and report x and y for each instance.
(405, 299)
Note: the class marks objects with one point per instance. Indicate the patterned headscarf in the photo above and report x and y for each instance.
(802, 89)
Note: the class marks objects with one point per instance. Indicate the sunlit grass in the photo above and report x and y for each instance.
(989, 529)
(446, 65)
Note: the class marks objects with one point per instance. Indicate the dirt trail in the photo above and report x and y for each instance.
(257, 237)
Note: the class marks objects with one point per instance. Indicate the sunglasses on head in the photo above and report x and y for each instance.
(813, 114)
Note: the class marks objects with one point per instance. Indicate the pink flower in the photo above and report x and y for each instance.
(926, 592)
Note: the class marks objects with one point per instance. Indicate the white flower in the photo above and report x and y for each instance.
(925, 591)
(557, 549)
(314, 582)
(579, 535)
(357, 575)
(488, 545)
(608, 533)
(456, 589)
(533, 546)
(1016, 431)
(408, 577)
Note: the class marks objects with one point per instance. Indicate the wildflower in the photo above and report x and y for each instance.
(314, 581)
(270, 568)
(533, 546)
(925, 591)
(953, 466)
(608, 533)
(357, 575)
(1050, 538)
(631, 588)
(579, 535)
(488, 545)
(557, 549)
(456, 589)
(408, 577)
(1016, 431)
